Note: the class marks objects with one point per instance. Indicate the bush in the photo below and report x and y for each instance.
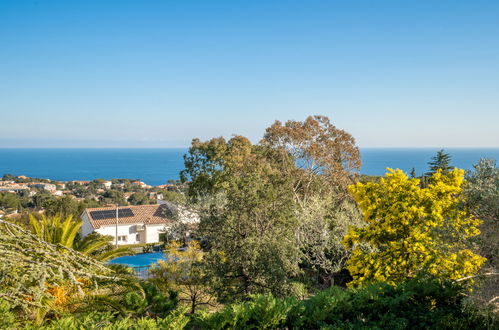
(419, 303)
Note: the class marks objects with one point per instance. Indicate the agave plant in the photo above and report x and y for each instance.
(65, 233)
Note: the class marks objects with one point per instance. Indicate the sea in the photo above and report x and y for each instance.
(157, 166)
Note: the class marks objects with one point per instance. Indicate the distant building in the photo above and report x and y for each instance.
(83, 183)
(44, 186)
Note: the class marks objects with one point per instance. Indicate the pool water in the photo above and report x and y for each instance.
(138, 260)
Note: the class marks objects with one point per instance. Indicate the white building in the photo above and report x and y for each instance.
(136, 224)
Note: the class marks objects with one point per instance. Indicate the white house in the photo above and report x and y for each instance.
(136, 224)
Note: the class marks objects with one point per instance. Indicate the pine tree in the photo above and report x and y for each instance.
(413, 173)
(441, 161)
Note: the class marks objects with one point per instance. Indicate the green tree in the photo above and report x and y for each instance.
(321, 160)
(114, 197)
(139, 198)
(441, 161)
(482, 197)
(184, 271)
(249, 219)
(9, 201)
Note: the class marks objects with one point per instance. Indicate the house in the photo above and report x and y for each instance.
(107, 184)
(136, 224)
(44, 186)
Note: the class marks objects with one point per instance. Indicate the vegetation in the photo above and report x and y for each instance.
(183, 271)
(291, 237)
(441, 161)
(420, 303)
(66, 234)
(412, 230)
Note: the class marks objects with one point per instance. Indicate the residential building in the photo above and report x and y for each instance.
(135, 224)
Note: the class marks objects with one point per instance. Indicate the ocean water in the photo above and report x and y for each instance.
(157, 166)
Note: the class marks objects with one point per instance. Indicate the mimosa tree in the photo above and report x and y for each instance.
(412, 229)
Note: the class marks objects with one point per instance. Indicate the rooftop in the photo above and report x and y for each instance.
(142, 214)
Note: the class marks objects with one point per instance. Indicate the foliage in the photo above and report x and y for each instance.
(261, 312)
(183, 271)
(55, 231)
(105, 321)
(441, 161)
(9, 201)
(35, 274)
(482, 197)
(65, 233)
(413, 229)
(139, 198)
(322, 228)
(320, 157)
(8, 318)
(248, 220)
(420, 303)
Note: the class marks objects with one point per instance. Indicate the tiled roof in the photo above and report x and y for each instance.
(142, 214)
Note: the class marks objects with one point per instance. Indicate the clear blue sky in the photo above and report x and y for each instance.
(158, 73)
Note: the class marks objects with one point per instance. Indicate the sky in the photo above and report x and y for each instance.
(157, 73)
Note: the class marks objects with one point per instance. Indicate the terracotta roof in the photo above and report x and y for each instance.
(142, 214)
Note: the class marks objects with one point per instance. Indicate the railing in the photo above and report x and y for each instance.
(142, 272)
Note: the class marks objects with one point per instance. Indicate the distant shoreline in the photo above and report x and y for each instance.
(155, 166)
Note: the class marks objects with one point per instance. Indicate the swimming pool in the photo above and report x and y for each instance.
(139, 260)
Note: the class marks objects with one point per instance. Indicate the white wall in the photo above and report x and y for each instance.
(152, 233)
(86, 228)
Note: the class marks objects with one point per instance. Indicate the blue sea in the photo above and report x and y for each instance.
(157, 166)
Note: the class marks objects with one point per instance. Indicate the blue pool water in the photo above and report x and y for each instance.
(143, 259)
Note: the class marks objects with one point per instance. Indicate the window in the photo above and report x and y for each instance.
(122, 238)
(137, 238)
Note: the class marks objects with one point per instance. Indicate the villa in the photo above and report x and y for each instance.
(135, 224)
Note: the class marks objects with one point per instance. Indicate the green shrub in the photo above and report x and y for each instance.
(105, 321)
(262, 312)
(7, 317)
(420, 303)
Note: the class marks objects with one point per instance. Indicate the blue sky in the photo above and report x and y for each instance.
(158, 73)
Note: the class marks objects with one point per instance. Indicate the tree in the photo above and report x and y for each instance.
(65, 233)
(322, 226)
(412, 229)
(64, 206)
(9, 201)
(183, 271)
(441, 161)
(482, 198)
(248, 220)
(139, 198)
(413, 173)
(114, 197)
(321, 161)
(320, 157)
